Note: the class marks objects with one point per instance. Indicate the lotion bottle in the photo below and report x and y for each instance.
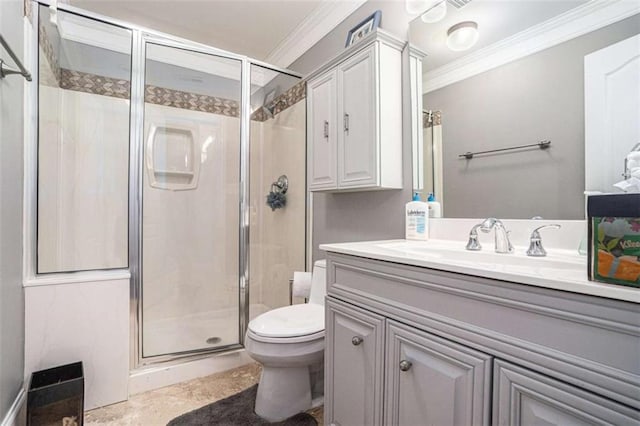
(417, 219)
(435, 209)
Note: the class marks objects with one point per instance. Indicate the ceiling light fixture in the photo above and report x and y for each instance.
(435, 13)
(462, 36)
(415, 7)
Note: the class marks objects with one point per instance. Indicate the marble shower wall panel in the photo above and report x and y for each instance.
(190, 237)
(277, 237)
(83, 181)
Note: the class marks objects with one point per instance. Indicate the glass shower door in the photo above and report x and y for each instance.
(190, 201)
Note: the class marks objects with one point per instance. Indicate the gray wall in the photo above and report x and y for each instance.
(11, 141)
(535, 98)
(372, 215)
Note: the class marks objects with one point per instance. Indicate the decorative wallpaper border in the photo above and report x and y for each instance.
(191, 101)
(95, 84)
(28, 10)
(49, 54)
(289, 98)
(436, 119)
(119, 88)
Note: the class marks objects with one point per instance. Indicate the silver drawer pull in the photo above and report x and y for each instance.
(356, 340)
(326, 129)
(346, 122)
(405, 365)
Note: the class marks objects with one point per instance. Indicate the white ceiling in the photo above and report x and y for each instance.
(497, 19)
(261, 29)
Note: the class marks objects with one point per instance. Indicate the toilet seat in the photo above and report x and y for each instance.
(290, 321)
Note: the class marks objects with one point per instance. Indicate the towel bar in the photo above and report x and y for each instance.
(7, 70)
(541, 145)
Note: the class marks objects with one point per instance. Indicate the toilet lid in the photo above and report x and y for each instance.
(290, 321)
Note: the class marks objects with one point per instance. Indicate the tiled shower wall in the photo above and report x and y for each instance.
(277, 147)
(277, 237)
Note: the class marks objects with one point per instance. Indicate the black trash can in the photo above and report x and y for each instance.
(56, 396)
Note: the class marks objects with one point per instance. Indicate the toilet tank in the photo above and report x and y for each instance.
(318, 282)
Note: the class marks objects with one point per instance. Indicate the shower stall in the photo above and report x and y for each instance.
(155, 155)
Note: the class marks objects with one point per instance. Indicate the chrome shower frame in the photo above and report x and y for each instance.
(140, 37)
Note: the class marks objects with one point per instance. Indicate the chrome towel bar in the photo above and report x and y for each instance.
(6, 70)
(541, 145)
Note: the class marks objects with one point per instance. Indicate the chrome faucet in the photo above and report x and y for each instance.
(535, 245)
(503, 245)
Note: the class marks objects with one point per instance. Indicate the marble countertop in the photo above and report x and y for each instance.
(561, 269)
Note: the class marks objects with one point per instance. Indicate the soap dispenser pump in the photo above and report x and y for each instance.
(435, 208)
(416, 219)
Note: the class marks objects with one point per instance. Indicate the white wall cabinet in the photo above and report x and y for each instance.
(354, 131)
(321, 129)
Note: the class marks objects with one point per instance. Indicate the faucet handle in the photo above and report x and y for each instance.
(535, 244)
(473, 244)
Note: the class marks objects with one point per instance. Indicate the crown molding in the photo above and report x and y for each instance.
(324, 18)
(564, 27)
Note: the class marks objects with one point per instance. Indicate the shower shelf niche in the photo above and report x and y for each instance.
(170, 158)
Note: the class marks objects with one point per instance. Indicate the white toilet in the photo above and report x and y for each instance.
(289, 343)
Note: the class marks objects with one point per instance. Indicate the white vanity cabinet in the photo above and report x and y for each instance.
(523, 397)
(356, 346)
(432, 381)
(354, 127)
(410, 345)
(427, 380)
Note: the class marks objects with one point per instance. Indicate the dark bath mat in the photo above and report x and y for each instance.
(236, 410)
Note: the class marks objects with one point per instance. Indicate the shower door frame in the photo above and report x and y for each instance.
(140, 37)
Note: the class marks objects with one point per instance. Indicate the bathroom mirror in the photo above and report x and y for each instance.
(534, 71)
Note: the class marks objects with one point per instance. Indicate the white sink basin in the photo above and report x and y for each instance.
(454, 252)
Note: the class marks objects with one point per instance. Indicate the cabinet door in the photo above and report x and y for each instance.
(522, 397)
(357, 106)
(322, 133)
(432, 381)
(354, 359)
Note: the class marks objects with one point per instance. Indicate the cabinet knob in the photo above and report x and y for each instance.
(346, 122)
(356, 340)
(405, 365)
(326, 129)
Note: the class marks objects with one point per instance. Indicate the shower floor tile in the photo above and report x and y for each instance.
(159, 406)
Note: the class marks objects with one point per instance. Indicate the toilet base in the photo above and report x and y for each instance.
(283, 392)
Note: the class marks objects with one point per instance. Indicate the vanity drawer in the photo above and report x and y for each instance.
(589, 341)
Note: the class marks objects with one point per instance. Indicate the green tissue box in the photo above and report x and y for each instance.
(614, 236)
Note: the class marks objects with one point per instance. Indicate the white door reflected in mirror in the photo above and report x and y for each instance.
(612, 111)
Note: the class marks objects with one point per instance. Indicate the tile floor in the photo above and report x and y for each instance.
(159, 406)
